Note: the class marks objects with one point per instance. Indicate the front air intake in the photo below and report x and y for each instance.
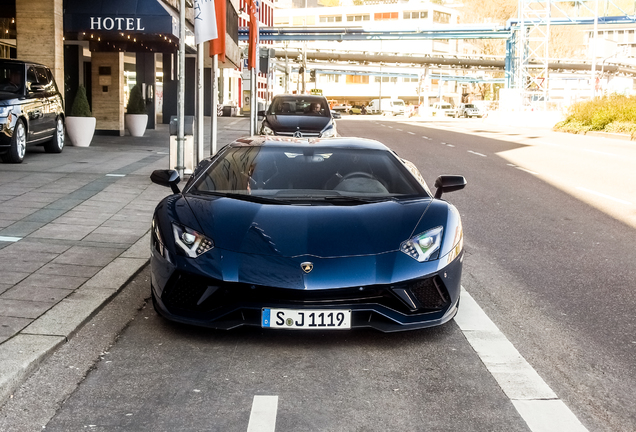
(430, 293)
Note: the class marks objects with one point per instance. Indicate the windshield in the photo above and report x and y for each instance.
(445, 106)
(290, 173)
(398, 103)
(298, 106)
(469, 106)
(11, 78)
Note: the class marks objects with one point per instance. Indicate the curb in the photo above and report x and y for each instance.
(20, 355)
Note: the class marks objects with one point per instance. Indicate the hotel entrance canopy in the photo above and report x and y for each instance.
(124, 25)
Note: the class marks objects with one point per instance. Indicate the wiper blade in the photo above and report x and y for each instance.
(246, 197)
(340, 199)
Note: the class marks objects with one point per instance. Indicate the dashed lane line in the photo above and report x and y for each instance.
(412, 133)
(263, 415)
(478, 154)
(533, 399)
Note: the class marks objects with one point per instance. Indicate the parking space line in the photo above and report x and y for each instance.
(263, 415)
(9, 239)
(602, 195)
(533, 399)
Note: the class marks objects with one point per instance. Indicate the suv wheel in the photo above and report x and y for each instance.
(56, 145)
(18, 144)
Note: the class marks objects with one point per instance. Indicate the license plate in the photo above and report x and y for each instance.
(320, 319)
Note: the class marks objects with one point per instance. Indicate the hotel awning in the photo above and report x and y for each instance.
(123, 25)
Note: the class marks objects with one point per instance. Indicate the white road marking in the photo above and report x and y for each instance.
(115, 175)
(478, 154)
(534, 400)
(526, 170)
(426, 138)
(412, 133)
(390, 127)
(602, 195)
(9, 239)
(449, 145)
(263, 415)
(399, 130)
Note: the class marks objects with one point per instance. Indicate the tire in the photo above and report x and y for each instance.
(56, 145)
(18, 144)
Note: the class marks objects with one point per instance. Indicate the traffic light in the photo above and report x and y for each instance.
(312, 76)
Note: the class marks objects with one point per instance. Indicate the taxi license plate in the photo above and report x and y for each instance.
(319, 319)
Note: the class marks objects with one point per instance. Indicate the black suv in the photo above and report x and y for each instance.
(299, 116)
(31, 110)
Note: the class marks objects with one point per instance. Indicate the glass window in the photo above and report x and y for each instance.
(12, 78)
(357, 79)
(307, 173)
(441, 17)
(365, 17)
(298, 106)
(385, 16)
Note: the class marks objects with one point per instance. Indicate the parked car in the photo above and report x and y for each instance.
(299, 116)
(358, 109)
(341, 108)
(444, 109)
(309, 234)
(468, 110)
(31, 110)
(386, 106)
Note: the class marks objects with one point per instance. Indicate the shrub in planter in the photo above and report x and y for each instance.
(136, 117)
(80, 125)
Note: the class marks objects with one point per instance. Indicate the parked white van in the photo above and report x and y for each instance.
(388, 106)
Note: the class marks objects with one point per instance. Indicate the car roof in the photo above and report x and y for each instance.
(301, 96)
(21, 62)
(339, 142)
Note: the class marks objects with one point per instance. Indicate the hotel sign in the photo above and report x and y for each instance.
(117, 24)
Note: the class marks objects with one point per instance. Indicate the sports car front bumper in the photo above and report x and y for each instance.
(190, 294)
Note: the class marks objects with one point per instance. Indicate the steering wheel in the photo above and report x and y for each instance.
(356, 174)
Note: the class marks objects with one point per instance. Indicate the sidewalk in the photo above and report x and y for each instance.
(74, 228)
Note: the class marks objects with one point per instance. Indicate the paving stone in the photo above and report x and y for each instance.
(141, 249)
(116, 274)
(9, 265)
(44, 215)
(69, 270)
(62, 231)
(6, 222)
(9, 326)
(126, 239)
(4, 287)
(21, 228)
(36, 293)
(67, 316)
(64, 204)
(52, 281)
(37, 246)
(12, 277)
(15, 252)
(22, 308)
(89, 256)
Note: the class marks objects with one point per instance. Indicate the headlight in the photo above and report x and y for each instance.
(424, 246)
(4, 111)
(266, 130)
(190, 241)
(328, 133)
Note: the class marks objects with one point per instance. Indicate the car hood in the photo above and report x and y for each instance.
(322, 231)
(292, 123)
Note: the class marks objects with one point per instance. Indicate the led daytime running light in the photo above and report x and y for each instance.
(191, 242)
(424, 246)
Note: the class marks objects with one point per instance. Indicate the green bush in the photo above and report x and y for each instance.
(136, 102)
(80, 107)
(614, 113)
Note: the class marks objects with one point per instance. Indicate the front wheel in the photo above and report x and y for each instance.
(18, 144)
(56, 145)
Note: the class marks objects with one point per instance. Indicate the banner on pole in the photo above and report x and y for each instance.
(205, 27)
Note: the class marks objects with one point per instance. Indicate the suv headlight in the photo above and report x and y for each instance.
(266, 130)
(192, 243)
(424, 246)
(328, 133)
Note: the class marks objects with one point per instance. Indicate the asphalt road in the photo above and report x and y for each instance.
(551, 269)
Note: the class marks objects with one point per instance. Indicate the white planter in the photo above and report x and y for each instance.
(136, 124)
(80, 130)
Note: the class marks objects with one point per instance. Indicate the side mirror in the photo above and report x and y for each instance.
(449, 183)
(36, 88)
(168, 178)
(335, 114)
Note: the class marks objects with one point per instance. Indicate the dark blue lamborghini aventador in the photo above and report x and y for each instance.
(308, 234)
